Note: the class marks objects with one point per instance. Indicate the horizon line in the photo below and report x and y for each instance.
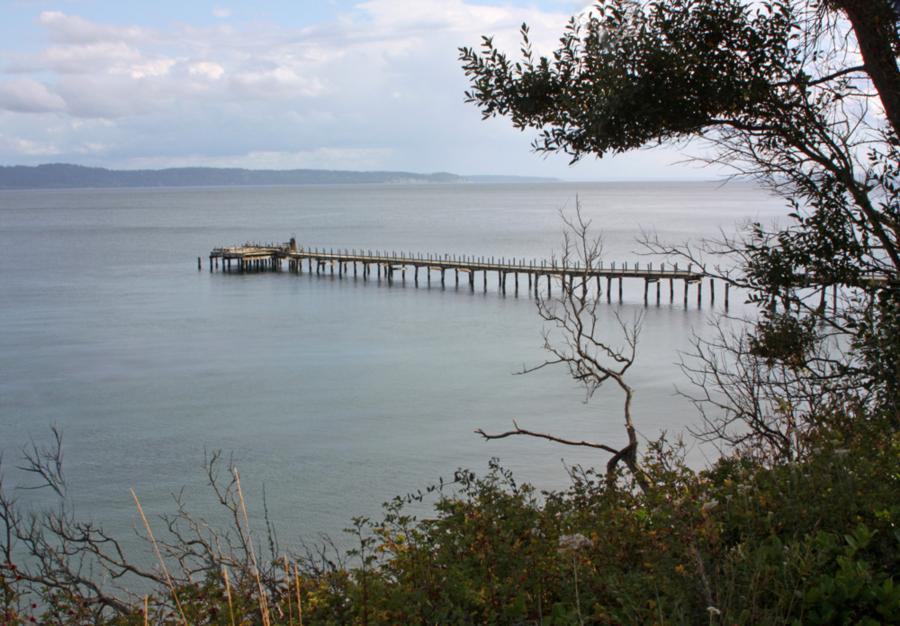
(549, 179)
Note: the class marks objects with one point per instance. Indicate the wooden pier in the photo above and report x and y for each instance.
(534, 274)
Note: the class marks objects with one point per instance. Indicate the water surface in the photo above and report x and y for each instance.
(333, 393)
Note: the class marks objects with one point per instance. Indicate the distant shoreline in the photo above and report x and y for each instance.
(63, 176)
(68, 176)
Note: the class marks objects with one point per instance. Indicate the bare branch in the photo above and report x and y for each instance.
(46, 462)
(530, 433)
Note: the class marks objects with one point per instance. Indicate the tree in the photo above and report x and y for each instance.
(801, 95)
(575, 339)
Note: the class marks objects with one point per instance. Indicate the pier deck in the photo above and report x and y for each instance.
(278, 257)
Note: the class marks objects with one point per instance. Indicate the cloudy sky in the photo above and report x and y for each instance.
(280, 84)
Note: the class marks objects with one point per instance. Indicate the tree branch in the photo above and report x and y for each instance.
(530, 433)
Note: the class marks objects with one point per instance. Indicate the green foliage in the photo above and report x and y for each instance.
(852, 590)
(625, 76)
(813, 541)
(783, 338)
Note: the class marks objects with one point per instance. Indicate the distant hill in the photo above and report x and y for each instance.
(62, 175)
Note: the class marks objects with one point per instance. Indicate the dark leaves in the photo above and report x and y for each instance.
(627, 76)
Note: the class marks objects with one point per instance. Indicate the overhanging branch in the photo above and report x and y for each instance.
(530, 433)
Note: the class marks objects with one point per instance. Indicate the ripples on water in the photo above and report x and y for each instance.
(334, 393)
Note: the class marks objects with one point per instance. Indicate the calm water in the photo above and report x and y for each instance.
(334, 394)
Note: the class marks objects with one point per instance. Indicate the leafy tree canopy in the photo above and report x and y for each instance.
(631, 73)
(803, 96)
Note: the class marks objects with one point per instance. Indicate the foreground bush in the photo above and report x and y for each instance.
(811, 542)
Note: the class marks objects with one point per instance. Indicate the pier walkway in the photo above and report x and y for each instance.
(391, 266)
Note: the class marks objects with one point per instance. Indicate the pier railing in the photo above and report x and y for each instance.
(451, 261)
(255, 257)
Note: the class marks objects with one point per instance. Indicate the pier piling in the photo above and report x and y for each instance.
(571, 276)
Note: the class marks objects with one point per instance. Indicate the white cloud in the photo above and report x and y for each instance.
(156, 67)
(72, 29)
(88, 58)
(221, 13)
(212, 71)
(29, 96)
(92, 147)
(28, 147)
(431, 15)
(319, 158)
(377, 86)
(278, 81)
(111, 96)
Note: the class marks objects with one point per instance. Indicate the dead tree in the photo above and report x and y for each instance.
(575, 337)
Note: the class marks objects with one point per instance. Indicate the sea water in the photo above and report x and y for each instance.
(330, 394)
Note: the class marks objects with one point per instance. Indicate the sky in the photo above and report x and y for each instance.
(276, 84)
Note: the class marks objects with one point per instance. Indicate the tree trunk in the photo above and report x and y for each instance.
(875, 25)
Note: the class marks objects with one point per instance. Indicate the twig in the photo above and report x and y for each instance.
(263, 602)
(159, 556)
(297, 586)
(228, 593)
(287, 578)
